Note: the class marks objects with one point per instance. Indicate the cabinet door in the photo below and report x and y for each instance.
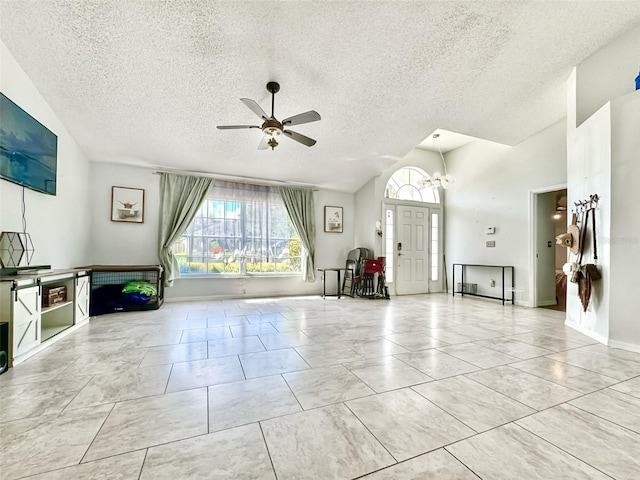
(26, 319)
(83, 292)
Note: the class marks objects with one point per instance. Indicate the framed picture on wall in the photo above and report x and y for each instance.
(127, 205)
(333, 219)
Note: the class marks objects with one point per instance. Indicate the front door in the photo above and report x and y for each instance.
(412, 250)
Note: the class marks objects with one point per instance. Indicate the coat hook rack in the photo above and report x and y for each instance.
(588, 204)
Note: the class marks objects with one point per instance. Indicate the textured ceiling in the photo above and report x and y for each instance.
(146, 82)
(445, 141)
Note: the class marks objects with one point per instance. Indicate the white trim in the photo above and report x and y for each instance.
(624, 346)
(552, 188)
(411, 203)
(236, 276)
(533, 233)
(547, 303)
(589, 333)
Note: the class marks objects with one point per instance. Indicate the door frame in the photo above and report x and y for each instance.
(389, 203)
(533, 235)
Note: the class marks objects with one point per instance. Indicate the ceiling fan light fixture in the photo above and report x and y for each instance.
(272, 142)
(272, 128)
(272, 132)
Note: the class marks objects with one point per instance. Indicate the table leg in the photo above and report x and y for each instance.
(324, 285)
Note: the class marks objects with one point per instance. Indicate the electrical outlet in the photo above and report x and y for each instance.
(243, 291)
(493, 283)
(491, 243)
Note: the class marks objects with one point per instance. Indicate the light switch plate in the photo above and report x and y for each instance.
(490, 230)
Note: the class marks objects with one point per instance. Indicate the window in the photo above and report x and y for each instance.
(240, 229)
(407, 184)
(388, 246)
(435, 266)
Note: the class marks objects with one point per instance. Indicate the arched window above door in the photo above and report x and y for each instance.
(407, 184)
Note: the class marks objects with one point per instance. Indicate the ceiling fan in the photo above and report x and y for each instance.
(272, 128)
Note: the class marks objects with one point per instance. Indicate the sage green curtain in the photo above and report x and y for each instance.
(180, 199)
(300, 207)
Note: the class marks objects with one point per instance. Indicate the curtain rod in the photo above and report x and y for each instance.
(237, 179)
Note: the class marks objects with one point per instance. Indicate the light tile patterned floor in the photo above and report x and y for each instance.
(424, 386)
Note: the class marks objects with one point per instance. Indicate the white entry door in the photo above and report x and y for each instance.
(412, 250)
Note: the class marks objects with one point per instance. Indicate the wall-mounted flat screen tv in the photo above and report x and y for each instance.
(28, 150)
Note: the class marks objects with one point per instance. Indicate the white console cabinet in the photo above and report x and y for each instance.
(33, 325)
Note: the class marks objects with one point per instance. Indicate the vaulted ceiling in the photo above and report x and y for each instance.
(146, 82)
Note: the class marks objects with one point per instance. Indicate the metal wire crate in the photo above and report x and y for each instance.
(107, 282)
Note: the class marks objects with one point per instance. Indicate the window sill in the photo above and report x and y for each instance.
(202, 276)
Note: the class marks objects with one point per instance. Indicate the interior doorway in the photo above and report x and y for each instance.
(550, 221)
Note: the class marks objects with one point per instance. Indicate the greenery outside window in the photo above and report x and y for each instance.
(240, 229)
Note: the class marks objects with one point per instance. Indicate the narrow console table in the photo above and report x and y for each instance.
(463, 268)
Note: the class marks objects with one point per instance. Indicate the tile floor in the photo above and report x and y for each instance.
(417, 387)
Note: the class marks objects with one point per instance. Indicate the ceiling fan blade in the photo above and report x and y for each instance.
(234, 127)
(255, 108)
(306, 117)
(309, 142)
(263, 145)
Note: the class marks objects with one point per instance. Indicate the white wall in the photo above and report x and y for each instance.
(120, 243)
(492, 188)
(607, 74)
(59, 225)
(367, 212)
(589, 172)
(125, 243)
(624, 240)
(602, 159)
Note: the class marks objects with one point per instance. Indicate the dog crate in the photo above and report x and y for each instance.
(124, 288)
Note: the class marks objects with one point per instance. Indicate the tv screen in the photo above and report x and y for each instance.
(28, 150)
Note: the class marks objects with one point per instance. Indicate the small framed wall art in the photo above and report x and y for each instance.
(333, 219)
(127, 205)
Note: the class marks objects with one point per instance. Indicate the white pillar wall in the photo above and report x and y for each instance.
(588, 173)
(624, 239)
(603, 121)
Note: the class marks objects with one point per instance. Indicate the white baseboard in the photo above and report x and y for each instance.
(596, 336)
(547, 303)
(624, 346)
